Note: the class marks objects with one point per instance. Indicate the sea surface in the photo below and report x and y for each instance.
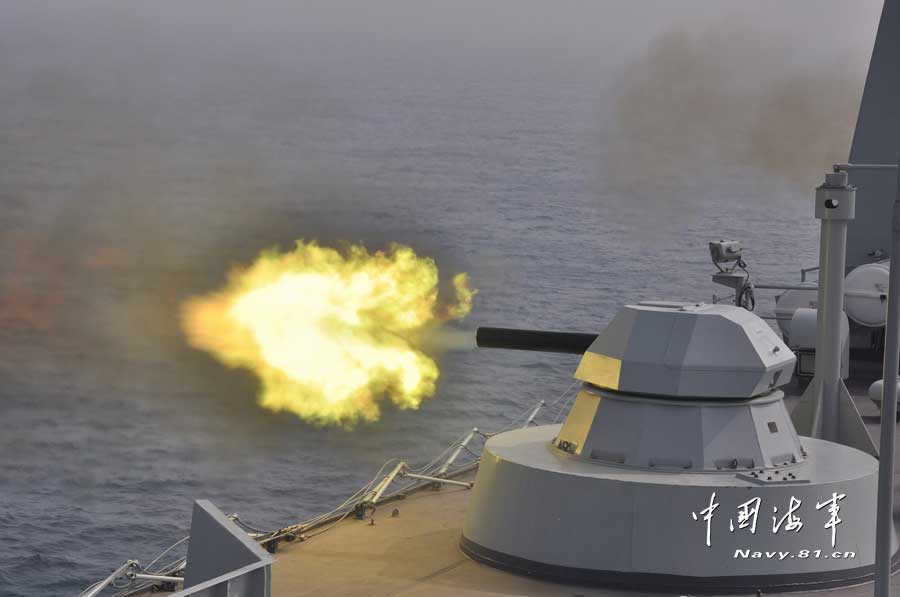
(145, 150)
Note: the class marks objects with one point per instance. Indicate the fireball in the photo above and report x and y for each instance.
(330, 334)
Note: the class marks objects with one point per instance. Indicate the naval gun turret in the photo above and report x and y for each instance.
(677, 468)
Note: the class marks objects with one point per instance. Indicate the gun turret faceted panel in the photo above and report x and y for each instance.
(687, 350)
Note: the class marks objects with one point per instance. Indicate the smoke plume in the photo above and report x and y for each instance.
(732, 96)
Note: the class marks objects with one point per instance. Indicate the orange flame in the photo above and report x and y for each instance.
(329, 334)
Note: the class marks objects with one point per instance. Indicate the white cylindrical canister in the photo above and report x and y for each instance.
(865, 294)
(791, 300)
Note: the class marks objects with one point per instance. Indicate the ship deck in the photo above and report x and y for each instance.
(417, 552)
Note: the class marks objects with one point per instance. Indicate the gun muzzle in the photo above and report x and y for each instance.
(536, 340)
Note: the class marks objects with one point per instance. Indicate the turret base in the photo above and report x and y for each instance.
(537, 510)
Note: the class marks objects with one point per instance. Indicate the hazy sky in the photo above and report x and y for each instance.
(522, 35)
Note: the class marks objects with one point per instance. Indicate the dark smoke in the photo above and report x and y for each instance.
(703, 103)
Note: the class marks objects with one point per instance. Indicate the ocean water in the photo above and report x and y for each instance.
(142, 153)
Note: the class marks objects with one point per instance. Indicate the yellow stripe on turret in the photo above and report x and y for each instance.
(578, 424)
(600, 370)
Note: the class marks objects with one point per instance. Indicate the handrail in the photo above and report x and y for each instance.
(783, 287)
(98, 587)
(845, 167)
(232, 574)
(806, 270)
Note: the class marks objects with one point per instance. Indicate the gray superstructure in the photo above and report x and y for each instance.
(875, 145)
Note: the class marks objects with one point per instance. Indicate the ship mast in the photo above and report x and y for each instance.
(885, 514)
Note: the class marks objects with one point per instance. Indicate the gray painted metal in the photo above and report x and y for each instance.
(845, 167)
(222, 559)
(159, 578)
(782, 287)
(807, 415)
(708, 435)
(825, 409)
(97, 588)
(804, 335)
(455, 454)
(835, 207)
(877, 141)
(679, 418)
(867, 241)
(876, 389)
(253, 580)
(692, 350)
(371, 498)
(852, 432)
(436, 480)
(537, 503)
(889, 414)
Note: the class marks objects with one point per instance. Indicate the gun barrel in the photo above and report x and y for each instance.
(540, 341)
